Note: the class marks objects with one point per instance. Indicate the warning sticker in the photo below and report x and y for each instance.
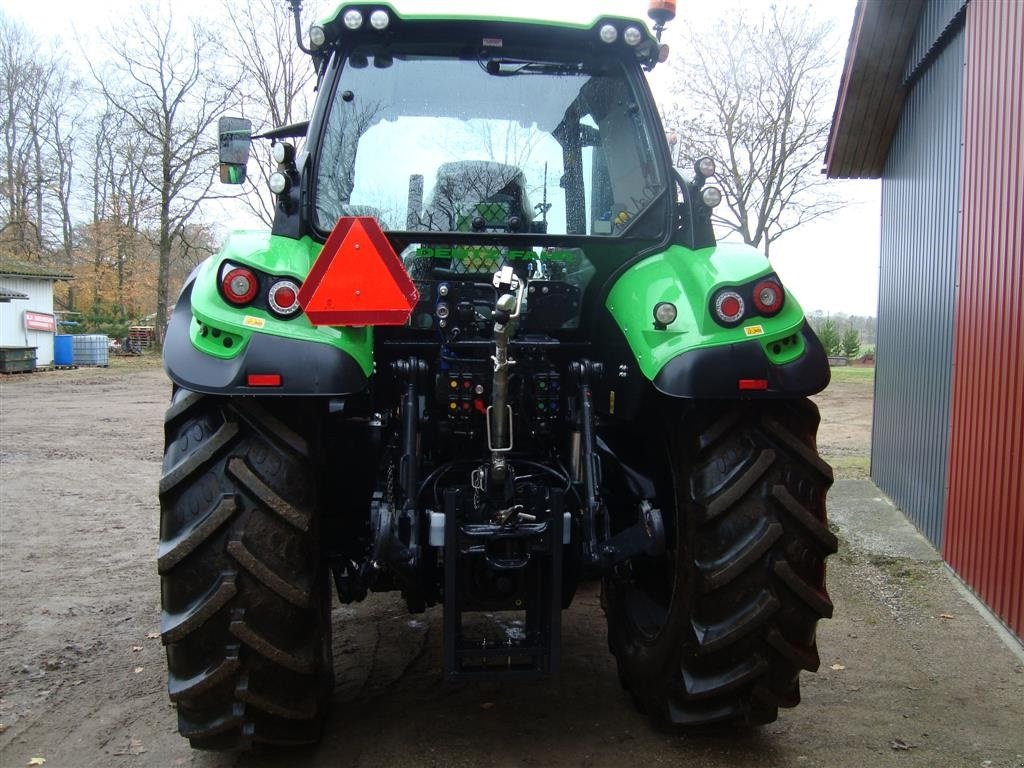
(754, 330)
(253, 322)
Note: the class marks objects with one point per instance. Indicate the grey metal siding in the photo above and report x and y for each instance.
(920, 203)
(936, 16)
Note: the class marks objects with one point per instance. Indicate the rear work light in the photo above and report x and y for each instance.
(353, 19)
(768, 297)
(240, 285)
(283, 298)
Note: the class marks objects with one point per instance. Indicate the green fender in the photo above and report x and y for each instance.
(694, 356)
(211, 346)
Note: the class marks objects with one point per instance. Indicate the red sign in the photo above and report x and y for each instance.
(358, 279)
(39, 321)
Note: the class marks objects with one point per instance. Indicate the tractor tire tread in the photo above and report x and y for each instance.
(240, 471)
(179, 689)
(298, 594)
(198, 459)
(245, 616)
(195, 533)
(748, 572)
(175, 626)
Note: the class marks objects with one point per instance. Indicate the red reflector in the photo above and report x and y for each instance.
(358, 279)
(264, 379)
(753, 384)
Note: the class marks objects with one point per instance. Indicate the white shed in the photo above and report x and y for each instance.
(26, 306)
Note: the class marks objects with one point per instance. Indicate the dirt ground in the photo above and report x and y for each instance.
(911, 675)
(844, 439)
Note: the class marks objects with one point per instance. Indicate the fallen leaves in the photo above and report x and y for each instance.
(152, 635)
(36, 761)
(138, 669)
(136, 648)
(899, 745)
(946, 616)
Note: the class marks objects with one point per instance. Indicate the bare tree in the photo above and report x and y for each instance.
(164, 79)
(122, 203)
(464, 188)
(64, 116)
(37, 123)
(336, 182)
(276, 80)
(17, 71)
(753, 95)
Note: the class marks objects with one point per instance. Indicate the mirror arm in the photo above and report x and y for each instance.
(297, 14)
(292, 131)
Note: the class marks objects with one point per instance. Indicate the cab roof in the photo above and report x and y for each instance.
(462, 18)
(532, 11)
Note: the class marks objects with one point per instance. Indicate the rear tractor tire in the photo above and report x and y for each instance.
(246, 604)
(719, 628)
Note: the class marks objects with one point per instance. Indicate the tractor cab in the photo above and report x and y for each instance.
(484, 143)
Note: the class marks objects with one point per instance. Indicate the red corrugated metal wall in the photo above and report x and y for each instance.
(984, 531)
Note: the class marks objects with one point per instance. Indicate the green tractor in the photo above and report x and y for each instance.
(489, 351)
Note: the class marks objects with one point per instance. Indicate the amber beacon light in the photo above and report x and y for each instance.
(662, 12)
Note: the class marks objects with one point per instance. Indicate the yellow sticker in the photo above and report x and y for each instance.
(754, 330)
(255, 322)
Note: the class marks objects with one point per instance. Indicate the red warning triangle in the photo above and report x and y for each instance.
(358, 278)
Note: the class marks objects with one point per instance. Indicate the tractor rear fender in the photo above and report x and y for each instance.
(214, 347)
(696, 356)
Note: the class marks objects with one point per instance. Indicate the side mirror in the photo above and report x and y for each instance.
(235, 138)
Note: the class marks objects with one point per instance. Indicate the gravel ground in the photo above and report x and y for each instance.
(911, 674)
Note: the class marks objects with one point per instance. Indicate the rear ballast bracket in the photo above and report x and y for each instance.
(527, 556)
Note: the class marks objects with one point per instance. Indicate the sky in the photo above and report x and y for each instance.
(829, 265)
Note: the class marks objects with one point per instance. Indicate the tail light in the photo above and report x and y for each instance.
(729, 307)
(240, 285)
(283, 298)
(768, 297)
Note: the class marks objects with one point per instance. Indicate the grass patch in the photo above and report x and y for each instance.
(151, 358)
(853, 373)
(850, 467)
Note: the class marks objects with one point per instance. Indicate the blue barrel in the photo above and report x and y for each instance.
(63, 349)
